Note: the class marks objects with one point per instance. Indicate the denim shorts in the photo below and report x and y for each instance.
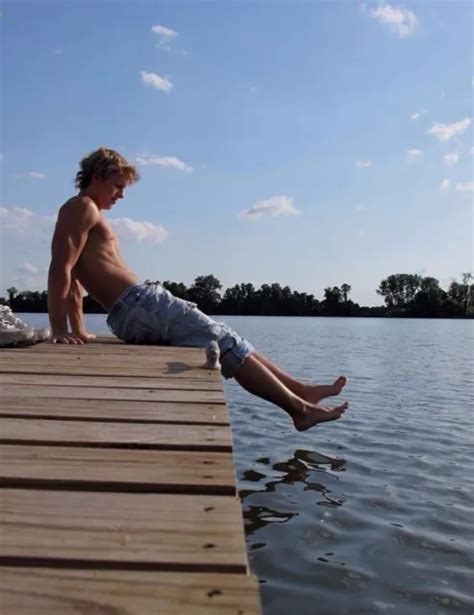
(147, 313)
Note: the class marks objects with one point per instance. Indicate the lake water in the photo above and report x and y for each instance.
(372, 513)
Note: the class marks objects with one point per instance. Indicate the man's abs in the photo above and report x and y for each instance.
(105, 282)
(100, 268)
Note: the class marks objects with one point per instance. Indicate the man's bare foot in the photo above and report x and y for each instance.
(311, 415)
(314, 393)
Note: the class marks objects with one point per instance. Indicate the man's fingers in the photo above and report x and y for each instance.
(63, 339)
(86, 337)
(71, 338)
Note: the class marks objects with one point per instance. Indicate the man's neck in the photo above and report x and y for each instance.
(91, 194)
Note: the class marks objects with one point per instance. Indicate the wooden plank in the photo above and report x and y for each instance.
(73, 392)
(134, 353)
(117, 470)
(105, 382)
(115, 410)
(153, 531)
(157, 362)
(76, 592)
(117, 483)
(119, 349)
(97, 433)
(88, 368)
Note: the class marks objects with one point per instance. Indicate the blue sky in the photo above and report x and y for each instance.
(305, 143)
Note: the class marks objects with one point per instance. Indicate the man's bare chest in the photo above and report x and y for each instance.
(102, 237)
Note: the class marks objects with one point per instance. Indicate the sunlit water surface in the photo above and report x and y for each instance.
(372, 513)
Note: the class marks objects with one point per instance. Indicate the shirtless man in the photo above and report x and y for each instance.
(85, 255)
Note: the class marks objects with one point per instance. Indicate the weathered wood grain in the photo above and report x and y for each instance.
(148, 394)
(112, 349)
(97, 433)
(185, 532)
(117, 469)
(107, 382)
(103, 592)
(114, 410)
(117, 485)
(70, 366)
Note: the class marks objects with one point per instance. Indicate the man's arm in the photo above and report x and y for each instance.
(75, 310)
(75, 220)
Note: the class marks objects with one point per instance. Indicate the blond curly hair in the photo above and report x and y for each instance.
(103, 163)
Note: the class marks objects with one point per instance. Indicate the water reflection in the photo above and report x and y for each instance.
(257, 517)
(298, 469)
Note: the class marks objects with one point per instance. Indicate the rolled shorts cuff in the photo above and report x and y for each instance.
(233, 358)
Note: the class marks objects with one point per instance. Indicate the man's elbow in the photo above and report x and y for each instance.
(59, 269)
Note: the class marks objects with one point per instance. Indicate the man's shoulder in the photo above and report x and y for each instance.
(82, 207)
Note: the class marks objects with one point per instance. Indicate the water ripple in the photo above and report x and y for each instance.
(373, 513)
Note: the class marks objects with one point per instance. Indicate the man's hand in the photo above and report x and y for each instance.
(69, 338)
(85, 337)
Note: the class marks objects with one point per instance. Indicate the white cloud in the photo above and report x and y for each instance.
(165, 36)
(139, 231)
(164, 161)
(24, 222)
(274, 206)
(402, 21)
(363, 164)
(31, 174)
(28, 276)
(2, 157)
(58, 52)
(414, 155)
(159, 83)
(451, 159)
(445, 132)
(28, 268)
(465, 186)
(417, 114)
(360, 207)
(445, 184)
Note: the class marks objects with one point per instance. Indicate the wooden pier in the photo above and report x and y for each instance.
(117, 484)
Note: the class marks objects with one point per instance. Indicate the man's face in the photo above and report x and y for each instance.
(111, 189)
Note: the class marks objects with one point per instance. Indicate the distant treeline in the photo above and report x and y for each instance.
(405, 295)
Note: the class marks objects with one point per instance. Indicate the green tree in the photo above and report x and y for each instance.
(268, 297)
(247, 298)
(332, 300)
(399, 289)
(205, 292)
(12, 291)
(467, 282)
(345, 289)
(232, 300)
(240, 299)
(461, 295)
(429, 300)
(178, 289)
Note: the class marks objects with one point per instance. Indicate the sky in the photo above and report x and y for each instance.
(307, 143)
